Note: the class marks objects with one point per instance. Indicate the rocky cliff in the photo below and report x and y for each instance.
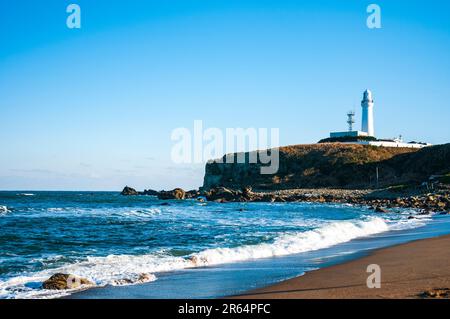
(334, 165)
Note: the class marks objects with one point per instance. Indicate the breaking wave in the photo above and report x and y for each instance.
(130, 269)
(326, 236)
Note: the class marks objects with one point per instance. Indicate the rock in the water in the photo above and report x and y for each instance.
(441, 205)
(150, 192)
(247, 191)
(65, 281)
(146, 278)
(321, 199)
(192, 194)
(280, 199)
(123, 282)
(222, 195)
(177, 193)
(142, 278)
(128, 191)
(379, 209)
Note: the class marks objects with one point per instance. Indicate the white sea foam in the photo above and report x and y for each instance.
(405, 224)
(142, 213)
(128, 269)
(4, 210)
(294, 243)
(110, 270)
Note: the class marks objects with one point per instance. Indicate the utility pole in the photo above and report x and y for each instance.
(377, 177)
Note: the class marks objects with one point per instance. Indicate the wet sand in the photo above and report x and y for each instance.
(407, 271)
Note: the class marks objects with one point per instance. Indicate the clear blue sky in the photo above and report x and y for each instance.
(93, 109)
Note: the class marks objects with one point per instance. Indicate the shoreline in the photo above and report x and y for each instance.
(358, 252)
(330, 196)
(417, 269)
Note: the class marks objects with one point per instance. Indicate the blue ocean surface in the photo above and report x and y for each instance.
(119, 242)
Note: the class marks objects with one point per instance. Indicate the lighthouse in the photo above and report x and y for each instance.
(367, 113)
(367, 134)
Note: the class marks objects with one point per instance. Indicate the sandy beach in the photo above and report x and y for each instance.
(407, 271)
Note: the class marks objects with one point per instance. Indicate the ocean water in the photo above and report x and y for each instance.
(112, 239)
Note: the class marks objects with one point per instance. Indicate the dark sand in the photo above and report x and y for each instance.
(407, 271)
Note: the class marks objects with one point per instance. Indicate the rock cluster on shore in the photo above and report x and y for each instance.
(379, 200)
(378, 177)
(177, 193)
(426, 203)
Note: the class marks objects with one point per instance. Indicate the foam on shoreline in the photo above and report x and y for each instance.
(127, 269)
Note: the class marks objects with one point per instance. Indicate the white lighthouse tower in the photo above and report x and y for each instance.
(367, 129)
(367, 113)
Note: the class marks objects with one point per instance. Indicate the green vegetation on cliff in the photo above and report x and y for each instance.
(335, 165)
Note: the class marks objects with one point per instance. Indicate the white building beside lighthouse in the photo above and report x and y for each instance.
(367, 113)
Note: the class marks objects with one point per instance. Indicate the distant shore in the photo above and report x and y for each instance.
(418, 269)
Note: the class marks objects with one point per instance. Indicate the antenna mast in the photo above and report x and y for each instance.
(350, 120)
